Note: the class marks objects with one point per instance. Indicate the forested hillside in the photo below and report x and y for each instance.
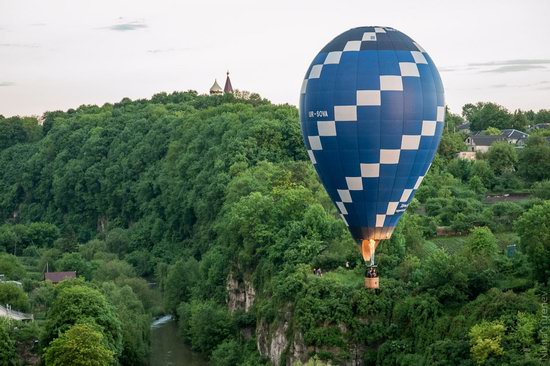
(208, 208)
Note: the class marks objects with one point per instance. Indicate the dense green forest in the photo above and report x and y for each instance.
(208, 208)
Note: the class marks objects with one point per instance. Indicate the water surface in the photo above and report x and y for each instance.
(167, 349)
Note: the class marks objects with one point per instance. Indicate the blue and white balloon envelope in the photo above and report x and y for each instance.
(372, 112)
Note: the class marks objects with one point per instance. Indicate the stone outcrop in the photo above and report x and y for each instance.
(240, 294)
(272, 343)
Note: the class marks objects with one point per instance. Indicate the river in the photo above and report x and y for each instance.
(167, 349)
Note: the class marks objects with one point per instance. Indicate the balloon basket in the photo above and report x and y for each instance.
(372, 282)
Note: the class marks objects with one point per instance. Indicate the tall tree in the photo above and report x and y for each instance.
(81, 345)
(502, 157)
(534, 231)
(534, 159)
(77, 303)
(8, 350)
(483, 115)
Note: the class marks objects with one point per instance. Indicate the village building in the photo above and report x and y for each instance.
(480, 142)
(463, 127)
(539, 126)
(56, 277)
(467, 155)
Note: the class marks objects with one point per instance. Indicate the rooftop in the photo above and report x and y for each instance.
(484, 140)
(57, 277)
(215, 88)
(228, 88)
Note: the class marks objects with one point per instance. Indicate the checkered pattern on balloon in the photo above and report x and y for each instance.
(372, 113)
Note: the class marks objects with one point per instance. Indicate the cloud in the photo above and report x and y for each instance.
(128, 26)
(534, 61)
(161, 50)
(6, 83)
(528, 85)
(447, 69)
(515, 68)
(514, 65)
(19, 45)
(168, 50)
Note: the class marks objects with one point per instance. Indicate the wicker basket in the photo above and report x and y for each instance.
(372, 282)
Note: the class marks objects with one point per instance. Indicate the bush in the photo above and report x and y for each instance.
(11, 267)
(542, 189)
(205, 324)
(227, 353)
(76, 303)
(13, 295)
(534, 233)
(80, 345)
(8, 355)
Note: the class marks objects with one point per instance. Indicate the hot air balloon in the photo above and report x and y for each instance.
(372, 112)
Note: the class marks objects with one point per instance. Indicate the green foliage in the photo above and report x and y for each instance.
(16, 238)
(534, 159)
(452, 120)
(481, 169)
(11, 267)
(228, 353)
(16, 130)
(493, 131)
(189, 190)
(205, 324)
(451, 144)
(485, 340)
(542, 189)
(13, 295)
(476, 184)
(142, 261)
(502, 157)
(484, 115)
(135, 323)
(502, 215)
(118, 241)
(75, 262)
(76, 303)
(8, 355)
(542, 116)
(460, 168)
(111, 270)
(182, 277)
(443, 276)
(81, 345)
(482, 243)
(496, 304)
(534, 230)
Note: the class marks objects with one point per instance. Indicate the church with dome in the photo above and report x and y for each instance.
(216, 89)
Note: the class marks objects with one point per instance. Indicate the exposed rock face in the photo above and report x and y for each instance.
(299, 349)
(277, 342)
(272, 343)
(284, 345)
(240, 294)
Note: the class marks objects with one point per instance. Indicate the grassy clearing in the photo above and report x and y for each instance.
(451, 244)
(347, 277)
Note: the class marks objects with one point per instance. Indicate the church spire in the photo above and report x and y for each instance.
(228, 88)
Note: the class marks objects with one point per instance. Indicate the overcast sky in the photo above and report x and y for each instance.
(58, 54)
